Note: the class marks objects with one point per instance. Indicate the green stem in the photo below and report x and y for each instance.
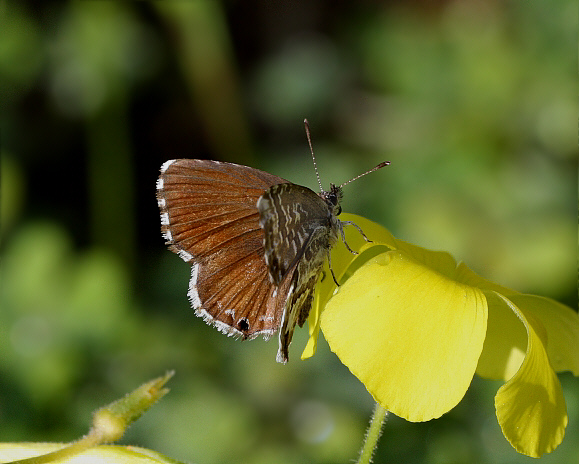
(372, 435)
(110, 422)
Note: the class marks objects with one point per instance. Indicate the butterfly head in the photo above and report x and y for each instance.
(333, 197)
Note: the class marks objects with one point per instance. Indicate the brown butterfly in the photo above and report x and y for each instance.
(256, 242)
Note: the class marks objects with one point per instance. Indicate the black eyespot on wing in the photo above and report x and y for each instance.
(243, 325)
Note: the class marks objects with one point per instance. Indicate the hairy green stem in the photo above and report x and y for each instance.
(372, 435)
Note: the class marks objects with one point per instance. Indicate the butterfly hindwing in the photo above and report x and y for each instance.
(289, 215)
(299, 230)
(299, 303)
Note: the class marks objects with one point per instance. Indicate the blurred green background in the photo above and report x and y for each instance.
(474, 103)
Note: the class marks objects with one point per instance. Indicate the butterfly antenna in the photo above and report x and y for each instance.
(307, 124)
(375, 168)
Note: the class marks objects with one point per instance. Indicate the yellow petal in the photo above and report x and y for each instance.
(530, 407)
(505, 344)
(468, 277)
(437, 260)
(102, 454)
(314, 317)
(506, 340)
(502, 356)
(410, 334)
(562, 326)
(342, 260)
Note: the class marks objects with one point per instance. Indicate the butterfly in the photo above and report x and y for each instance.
(256, 243)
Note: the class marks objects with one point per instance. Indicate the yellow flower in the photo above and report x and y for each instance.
(415, 327)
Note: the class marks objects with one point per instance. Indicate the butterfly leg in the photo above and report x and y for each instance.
(344, 240)
(344, 236)
(359, 230)
(330, 265)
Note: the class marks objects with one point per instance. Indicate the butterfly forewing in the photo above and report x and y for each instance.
(209, 217)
